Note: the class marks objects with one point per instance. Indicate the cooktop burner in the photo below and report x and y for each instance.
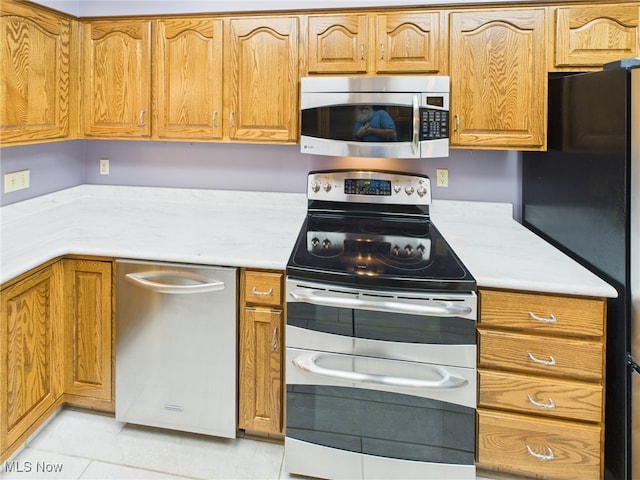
(373, 238)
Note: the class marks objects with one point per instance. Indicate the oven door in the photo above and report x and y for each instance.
(379, 385)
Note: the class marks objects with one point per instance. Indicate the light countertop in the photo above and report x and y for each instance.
(258, 230)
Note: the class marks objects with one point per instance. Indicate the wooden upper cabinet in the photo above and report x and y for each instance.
(188, 79)
(337, 43)
(588, 36)
(408, 42)
(401, 42)
(35, 63)
(498, 79)
(262, 79)
(117, 78)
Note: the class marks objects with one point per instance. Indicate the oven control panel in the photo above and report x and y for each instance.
(368, 186)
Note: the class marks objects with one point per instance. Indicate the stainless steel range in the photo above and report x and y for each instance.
(381, 344)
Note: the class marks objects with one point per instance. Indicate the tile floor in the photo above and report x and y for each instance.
(77, 444)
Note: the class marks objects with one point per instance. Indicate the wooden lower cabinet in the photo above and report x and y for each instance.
(55, 345)
(30, 367)
(541, 384)
(261, 352)
(88, 335)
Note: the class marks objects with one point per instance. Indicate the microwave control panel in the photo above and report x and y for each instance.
(434, 124)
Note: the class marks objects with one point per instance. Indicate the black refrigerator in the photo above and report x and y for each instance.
(583, 196)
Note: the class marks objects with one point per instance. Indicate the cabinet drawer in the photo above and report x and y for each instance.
(263, 288)
(579, 359)
(539, 446)
(549, 397)
(543, 313)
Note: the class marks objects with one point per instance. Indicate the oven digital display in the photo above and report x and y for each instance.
(361, 186)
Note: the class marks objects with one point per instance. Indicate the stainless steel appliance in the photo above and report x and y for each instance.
(583, 195)
(176, 346)
(380, 335)
(388, 117)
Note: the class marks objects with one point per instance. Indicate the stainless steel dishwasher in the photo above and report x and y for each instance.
(176, 346)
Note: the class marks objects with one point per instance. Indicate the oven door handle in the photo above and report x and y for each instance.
(308, 363)
(441, 309)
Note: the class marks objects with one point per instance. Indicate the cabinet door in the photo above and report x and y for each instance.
(262, 79)
(337, 43)
(498, 79)
(117, 78)
(260, 375)
(589, 36)
(34, 91)
(88, 326)
(29, 366)
(188, 78)
(408, 42)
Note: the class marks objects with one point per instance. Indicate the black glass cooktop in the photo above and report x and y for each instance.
(376, 251)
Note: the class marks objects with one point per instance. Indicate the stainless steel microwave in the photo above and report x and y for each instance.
(388, 117)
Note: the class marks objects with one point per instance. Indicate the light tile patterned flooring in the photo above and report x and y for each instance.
(84, 445)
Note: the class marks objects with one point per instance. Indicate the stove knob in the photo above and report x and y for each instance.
(397, 188)
(395, 250)
(422, 191)
(326, 186)
(326, 244)
(409, 189)
(315, 242)
(420, 249)
(315, 186)
(408, 250)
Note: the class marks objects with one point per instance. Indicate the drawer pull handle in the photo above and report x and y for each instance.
(551, 319)
(541, 456)
(255, 291)
(549, 363)
(550, 404)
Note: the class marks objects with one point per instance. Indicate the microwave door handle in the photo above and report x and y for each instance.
(438, 308)
(416, 125)
(308, 363)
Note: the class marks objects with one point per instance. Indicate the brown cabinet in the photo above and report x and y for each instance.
(88, 338)
(187, 93)
(261, 79)
(117, 78)
(541, 384)
(384, 43)
(261, 352)
(35, 66)
(498, 79)
(30, 339)
(587, 36)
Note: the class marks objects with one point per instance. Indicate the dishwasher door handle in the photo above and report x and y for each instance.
(174, 282)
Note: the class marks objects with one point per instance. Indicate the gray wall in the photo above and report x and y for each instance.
(473, 175)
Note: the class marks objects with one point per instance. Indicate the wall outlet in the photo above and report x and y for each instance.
(16, 181)
(104, 166)
(442, 177)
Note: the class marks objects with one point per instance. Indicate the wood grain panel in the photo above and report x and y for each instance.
(188, 78)
(29, 365)
(260, 370)
(35, 64)
(263, 288)
(542, 396)
(88, 328)
(590, 35)
(580, 359)
(498, 63)
(408, 42)
(552, 448)
(518, 310)
(337, 43)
